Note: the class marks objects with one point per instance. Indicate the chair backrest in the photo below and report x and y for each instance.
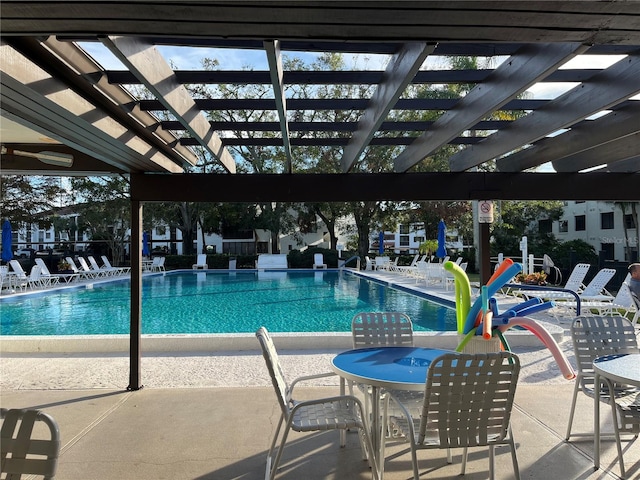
(106, 262)
(73, 265)
(17, 268)
(318, 259)
(468, 398)
(414, 262)
(574, 282)
(34, 274)
(83, 264)
(623, 298)
(599, 282)
(381, 328)
(276, 373)
(22, 452)
(161, 261)
(596, 336)
(201, 259)
(43, 267)
(93, 262)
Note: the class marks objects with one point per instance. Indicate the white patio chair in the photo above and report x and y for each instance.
(594, 337)
(622, 304)
(158, 264)
(339, 412)
(318, 261)
(106, 272)
(467, 402)
(201, 262)
(24, 453)
(574, 283)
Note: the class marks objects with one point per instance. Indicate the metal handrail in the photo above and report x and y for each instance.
(343, 264)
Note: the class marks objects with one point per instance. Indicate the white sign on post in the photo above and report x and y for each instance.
(485, 211)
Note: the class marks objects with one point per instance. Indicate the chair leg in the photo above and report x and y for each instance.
(617, 433)
(463, 467)
(514, 456)
(271, 465)
(576, 387)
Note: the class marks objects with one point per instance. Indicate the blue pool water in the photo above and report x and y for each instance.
(219, 302)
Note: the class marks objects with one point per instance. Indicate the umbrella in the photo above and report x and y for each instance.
(381, 243)
(441, 252)
(7, 253)
(145, 244)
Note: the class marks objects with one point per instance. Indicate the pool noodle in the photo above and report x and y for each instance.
(534, 308)
(505, 344)
(493, 305)
(491, 290)
(532, 301)
(463, 292)
(547, 340)
(486, 325)
(501, 268)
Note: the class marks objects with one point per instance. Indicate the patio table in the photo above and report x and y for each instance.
(384, 368)
(621, 368)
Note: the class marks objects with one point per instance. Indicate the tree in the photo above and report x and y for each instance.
(104, 206)
(516, 219)
(27, 200)
(632, 207)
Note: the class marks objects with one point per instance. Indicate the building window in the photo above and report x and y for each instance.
(608, 250)
(544, 226)
(418, 239)
(581, 223)
(404, 229)
(606, 221)
(629, 224)
(404, 240)
(563, 226)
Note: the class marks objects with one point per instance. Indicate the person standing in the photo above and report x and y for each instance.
(634, 281)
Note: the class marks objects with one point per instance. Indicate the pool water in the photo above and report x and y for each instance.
(219, 302)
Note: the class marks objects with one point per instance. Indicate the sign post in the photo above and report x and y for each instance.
(485, 218)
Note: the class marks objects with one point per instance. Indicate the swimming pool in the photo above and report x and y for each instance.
(219, 302)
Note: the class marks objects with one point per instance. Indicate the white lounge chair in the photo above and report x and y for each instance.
(622, 304)
(106, 272)
(201, 262)
(90, 272)
(121, 270)
(574, 283)
(82, 274)
(318, 261)
(272, 260)
(47, 278)
(19, 278)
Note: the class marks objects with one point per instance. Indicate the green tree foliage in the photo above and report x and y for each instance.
(515, 219)
(28, 199)
(567, 254)
(104, 206)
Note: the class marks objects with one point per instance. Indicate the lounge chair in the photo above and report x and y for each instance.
(90, 272)
(467, 402)
(46, 277)
(82, 274)
(318, 261)
(120, 270)
(340, 412)
(406, 269)
(19, 278)
(201, 262)
(24, 453)
(272, 260)
(622, 304)
(574, 284)
(106, 272)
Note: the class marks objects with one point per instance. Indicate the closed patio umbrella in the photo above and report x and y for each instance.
(7, 253)
(381, 243)
(441, 252)
(145, 244)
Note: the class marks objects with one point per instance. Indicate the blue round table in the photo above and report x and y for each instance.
(385, 368)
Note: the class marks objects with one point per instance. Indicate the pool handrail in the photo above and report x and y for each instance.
(344, 264)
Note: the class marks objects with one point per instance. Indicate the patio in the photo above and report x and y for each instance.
(223, 432)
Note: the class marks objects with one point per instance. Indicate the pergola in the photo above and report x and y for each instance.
(580, 145)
